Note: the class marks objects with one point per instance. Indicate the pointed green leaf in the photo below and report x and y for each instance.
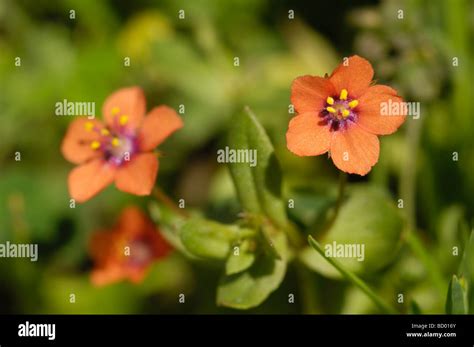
(456, 302)
(250, 288)
(258, 187)
(240, 259)
(415, 308)
(467, 270)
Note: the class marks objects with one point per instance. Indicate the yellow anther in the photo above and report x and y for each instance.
(104, 131)
(89, 126)
(343, 94)
(345, 113)
(331, 109)
(115, 110)
(115, 142)
(123, 120)
(353, 103)
(95, 144)
(330, 101)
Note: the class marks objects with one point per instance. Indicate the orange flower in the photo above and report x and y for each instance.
(343, 114)
(119, 150)
(127, 250)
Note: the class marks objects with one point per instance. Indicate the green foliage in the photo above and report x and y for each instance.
(251, 287)
(368, 219)
(457, 301)
(209, 239)
(259, 187)
(241, 258)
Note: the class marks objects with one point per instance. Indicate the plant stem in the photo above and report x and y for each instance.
(341, 191)
(384, 307)
(307, 288)
(339, 201)
(166, 200)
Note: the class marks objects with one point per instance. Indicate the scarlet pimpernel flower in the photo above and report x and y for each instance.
(126, 251)
(120, 149)
(342, 115)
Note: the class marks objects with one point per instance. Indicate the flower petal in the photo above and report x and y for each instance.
(133, 221)
(160, 123)
(309, 93)
(90, 178)
(138, 176)
(127, 102)
(102, 246)
(355, 77)
(372, 115)
(76, 144)
(354, 150)
(307, 136)
(108, 274)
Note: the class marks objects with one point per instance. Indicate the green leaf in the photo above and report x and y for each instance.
(258, 187)
(351, 277)
(250, 288)
(415, 308)
(169, 223)
(241, 260)
(466, 270)
(211, 240)
(456, 302)
(369, 224)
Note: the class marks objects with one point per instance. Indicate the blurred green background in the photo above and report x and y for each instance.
(190, 62)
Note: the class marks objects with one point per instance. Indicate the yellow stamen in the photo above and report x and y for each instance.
(115, 110)
(345, 113)
(123, 120)
(353, 103)
(343, 94)
(104, 132)
(331, 109)
(115, 142)
(330, 101)
(89, 126)
(95, 144)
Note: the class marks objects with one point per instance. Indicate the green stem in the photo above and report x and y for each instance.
(307, 288)
(432, 268)
(384, 307)
(340, 193)
(340, 198)
(168, 202)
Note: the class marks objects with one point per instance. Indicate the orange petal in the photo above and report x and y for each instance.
(136, 275)
(101, 246)
(306, 136)
(88, 179)
(129, 102)
(138, 176)
(133, 221)
(160, 123)
(355, 77)
(372, 115)
(309, 93)
(76, 144)
(107, 275)
(354, 150)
